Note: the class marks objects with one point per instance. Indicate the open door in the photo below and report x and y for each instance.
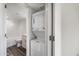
(2, 30)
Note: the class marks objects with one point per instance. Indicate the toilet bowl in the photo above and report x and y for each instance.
(18, 42)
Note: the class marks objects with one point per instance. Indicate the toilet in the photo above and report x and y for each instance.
(18, 42)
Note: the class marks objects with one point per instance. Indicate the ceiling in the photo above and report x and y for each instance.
(36, 6)
(17, 11)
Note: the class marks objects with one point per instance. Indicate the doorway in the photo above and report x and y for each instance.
(15, 30)
(31, 35)
(43, 43)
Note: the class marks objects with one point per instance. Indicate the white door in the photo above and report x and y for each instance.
(2, 30)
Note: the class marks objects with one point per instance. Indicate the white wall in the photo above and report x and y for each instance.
(57, 18)
(17, 10)
(23, 27)
(68, 29)
(15, 31)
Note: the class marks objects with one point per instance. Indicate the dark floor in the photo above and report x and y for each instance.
(16, 51)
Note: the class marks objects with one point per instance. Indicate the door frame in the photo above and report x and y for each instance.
(49, 29)
(48, 16)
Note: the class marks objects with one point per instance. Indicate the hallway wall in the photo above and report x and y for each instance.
(15, 32)
(70, 29)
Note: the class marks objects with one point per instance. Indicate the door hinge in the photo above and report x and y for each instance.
(5, 6)
(52, 37)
